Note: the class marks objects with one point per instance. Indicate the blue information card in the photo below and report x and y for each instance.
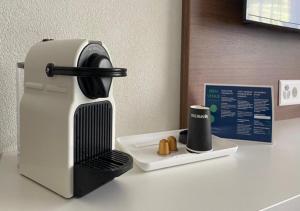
(240, 112)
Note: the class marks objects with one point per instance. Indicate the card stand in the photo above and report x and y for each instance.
(92, 173)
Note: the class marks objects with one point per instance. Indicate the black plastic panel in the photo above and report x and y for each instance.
(92, 130)
(95, 163)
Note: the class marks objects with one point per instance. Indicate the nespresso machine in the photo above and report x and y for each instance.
(67, 117)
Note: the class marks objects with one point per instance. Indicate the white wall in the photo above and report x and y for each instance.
(142, 35)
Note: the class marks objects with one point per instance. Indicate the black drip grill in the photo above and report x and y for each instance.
(95, 163)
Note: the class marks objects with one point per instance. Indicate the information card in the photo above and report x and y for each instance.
(240, 112)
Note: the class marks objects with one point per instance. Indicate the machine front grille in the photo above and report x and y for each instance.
(92, 130)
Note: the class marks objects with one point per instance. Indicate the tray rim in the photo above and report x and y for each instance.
(181, 160)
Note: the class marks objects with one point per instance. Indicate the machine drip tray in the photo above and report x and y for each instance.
(94, 172)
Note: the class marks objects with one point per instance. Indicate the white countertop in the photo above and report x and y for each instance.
(258, 176)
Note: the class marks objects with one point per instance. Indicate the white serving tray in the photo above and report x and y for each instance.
(143, 148)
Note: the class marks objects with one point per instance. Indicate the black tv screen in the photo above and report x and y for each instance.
(283, 13)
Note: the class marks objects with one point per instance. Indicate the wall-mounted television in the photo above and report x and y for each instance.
(283, 13)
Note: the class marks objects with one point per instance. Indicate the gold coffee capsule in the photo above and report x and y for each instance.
(172, 143)
(163, 147)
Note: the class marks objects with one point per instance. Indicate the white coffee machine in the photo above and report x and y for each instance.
(67, 117)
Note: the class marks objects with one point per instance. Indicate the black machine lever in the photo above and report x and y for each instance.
(52, 70)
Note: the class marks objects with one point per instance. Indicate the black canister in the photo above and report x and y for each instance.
(199, 132)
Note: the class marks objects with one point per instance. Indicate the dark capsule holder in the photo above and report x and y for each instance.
(183, 136)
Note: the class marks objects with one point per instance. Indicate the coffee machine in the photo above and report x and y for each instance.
(67, 117)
